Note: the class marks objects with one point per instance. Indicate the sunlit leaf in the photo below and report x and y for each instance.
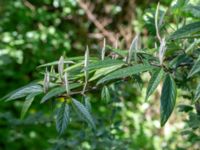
(105, 63)
(125, 72)
(28, 101)
(104, 71)
(24, 91)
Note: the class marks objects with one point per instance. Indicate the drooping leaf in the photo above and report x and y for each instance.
(105, 94)
(154, 82)
(62, 118)
(186, 31)
(125, 72)
(24, 91)
(28, 101)
(168, 99)
(197, 93)
(83, 112)
(195, 69)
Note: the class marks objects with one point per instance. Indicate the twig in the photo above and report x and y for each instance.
(93, 19)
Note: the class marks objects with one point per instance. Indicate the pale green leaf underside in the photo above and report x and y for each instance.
(168, 99)
(24, 91)
(104, 63)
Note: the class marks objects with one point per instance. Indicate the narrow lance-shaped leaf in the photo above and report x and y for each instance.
(58, 91)
(125, 72)
(87, 103)
(104, 63)
(24, 91)
(186, 31)
(103, 49)
(83, 112)
(55, 63)
(61, 67)
(28, 101)
(195, 69)
(62, 117)
(197, 93)
(168, 99)
(104, 71)
(154, 82)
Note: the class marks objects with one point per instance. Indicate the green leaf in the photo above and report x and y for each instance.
(194, 10)
(62, 118)
(87, 103)
(195, 69)
(124, 72)
(83, 112)
(55, 63)
(105, 94)
(197, 93)
(104, 71)
(193, 46)
(24, 91)
(186, 31)
(57, 91)
(104, 64)
(168, 99)
(120, 52)
(28, 101)
(154, 82)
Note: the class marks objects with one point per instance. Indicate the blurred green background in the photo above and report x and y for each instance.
(33, 32)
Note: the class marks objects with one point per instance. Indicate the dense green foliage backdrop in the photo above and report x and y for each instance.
(34, 32)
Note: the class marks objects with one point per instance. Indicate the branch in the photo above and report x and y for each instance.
(93, 19)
